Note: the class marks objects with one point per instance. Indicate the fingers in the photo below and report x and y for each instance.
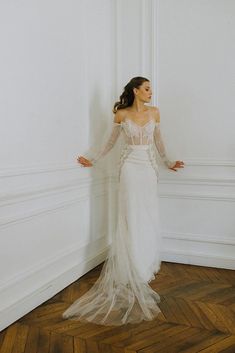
(84, 162)
(179, 164)
(85, 165)
(81, 159)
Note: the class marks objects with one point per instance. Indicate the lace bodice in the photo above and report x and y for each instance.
(135, 134)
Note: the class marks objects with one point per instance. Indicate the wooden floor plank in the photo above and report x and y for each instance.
(124, 333)
(67, 344)
(224, 292)
(2, 336)
(209, 340)
(32, 340)
(193, 319)
(167, 310)
(140, 337)
(43, 341)
(154, 338)
(9, 339)
(208, 289)
(171, 343)
(177, 311)
(221, 317)
(204, 321)
(221, 346)
(21, 338)
(63, 326)
(43, 314)
(55, 343)
(79, 345)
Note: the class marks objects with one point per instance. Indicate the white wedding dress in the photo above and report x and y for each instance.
(122, 293)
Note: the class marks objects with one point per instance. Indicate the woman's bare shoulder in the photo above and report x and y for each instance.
(155, 112)
(153, 108)
(119, 115)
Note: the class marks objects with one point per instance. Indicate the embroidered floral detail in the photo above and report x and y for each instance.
(153, 159)
(124, 154)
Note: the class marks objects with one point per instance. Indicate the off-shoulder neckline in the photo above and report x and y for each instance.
(126, 119)
(140, 126)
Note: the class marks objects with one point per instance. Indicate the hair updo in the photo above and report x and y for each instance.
(127, 97)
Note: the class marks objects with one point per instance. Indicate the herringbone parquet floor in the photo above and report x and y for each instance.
(198, 315)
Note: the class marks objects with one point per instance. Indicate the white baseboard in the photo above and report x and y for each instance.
(198, 259)
(199, 249)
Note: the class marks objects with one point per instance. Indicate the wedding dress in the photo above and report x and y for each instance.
(122, 293)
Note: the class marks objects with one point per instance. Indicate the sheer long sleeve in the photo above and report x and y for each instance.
(108, 145)
(160, 146)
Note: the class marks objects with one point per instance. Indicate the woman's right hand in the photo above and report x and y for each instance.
(178, 164)
(85, 162)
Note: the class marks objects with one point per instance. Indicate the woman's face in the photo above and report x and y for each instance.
(144, 92)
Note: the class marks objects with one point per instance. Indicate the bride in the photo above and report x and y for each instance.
(122, 293)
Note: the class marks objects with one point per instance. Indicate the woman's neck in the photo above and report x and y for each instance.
(138, 106)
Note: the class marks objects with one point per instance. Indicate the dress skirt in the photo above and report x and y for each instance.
(122, 293)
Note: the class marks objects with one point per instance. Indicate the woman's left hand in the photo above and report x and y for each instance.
(178, 164)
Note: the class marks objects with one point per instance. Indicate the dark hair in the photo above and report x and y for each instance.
(127, 97)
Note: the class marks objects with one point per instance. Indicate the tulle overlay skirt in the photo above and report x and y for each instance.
(122, 293)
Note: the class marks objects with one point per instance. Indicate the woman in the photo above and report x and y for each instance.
(122, 293)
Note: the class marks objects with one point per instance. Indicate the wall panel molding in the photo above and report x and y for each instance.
(34, 192)
(201, 238)
(53, 207)
(198, 180)
(14, 171)
(196, 196)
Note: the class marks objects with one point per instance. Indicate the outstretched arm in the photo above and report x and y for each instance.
(159, 141)
(161, 148)
(160, 144)
(115, 132)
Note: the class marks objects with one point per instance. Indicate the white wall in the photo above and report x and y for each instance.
(196, 90)
(57, 69)
(136, 34)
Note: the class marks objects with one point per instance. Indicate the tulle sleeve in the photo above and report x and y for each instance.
(160, 146)
(108, 144)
